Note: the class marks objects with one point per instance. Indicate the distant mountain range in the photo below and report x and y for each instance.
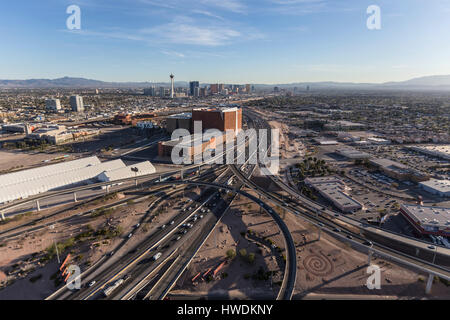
(423, 83)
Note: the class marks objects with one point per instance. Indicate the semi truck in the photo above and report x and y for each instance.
(107, 292)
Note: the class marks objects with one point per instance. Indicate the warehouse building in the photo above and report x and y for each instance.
(440, 151)
(332, 189)
(54, 177)
(31, 175)
(136, 170)
(398, 171)
(58, 134)
(325, 142)
(18, 127)
(437, 187)
(344, 125)
(379, 141)
(352, 154)
(428, 220)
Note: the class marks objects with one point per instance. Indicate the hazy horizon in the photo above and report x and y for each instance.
(229, 41)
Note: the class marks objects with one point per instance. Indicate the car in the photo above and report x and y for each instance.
(163, 227)
(321, 224)
(336, 215)
(138, 225)
(337, 230)
(157, 256)
(350, 237)
(432, 247)
(130, 235)
(201, 217)
(185, 231)
(111, 253)
(368, 243)
(172, 222)
(92, 283)
(178, 238)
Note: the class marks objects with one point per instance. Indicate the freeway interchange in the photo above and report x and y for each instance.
(151, 269)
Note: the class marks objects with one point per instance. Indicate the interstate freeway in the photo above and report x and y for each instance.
(350, 230)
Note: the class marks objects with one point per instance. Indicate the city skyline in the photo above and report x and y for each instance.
(233, 41)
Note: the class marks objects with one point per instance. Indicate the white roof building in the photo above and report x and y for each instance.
(428, 220)
(144, 168)
(332, 188)
(440, 151)
(27, 188)
(45, 171)
(439, 187)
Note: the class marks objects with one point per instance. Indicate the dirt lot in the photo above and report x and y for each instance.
(23, 160)
(327, 267)
(239, 273)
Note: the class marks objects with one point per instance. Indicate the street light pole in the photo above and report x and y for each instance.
(135, 170)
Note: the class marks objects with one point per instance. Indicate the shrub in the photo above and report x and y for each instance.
(231, 254)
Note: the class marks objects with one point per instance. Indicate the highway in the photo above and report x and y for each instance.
(331, 221)
(139, 252)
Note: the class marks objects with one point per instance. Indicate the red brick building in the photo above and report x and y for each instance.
(219, 118)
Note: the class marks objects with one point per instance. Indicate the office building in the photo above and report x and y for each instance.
(192, 86)
(76, 103)
(197, 92)
(214, 88)
(150, 91)
(53, 104)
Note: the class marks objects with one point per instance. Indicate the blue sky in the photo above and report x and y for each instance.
(232, 41)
